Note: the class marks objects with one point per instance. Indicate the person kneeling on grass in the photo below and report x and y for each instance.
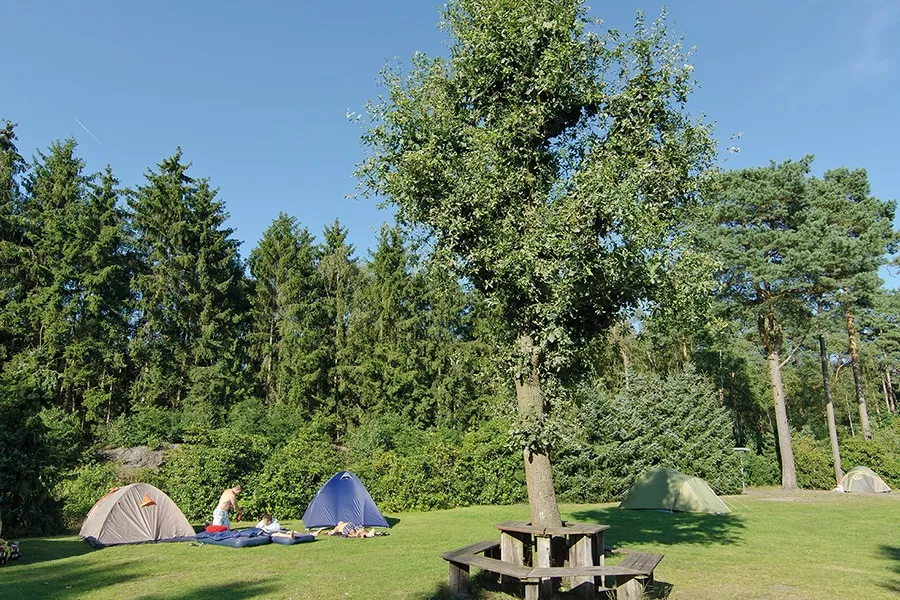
(348, 529)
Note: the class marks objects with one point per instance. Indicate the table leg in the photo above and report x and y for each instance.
(542, 559)
(512, 550)
(581, 554)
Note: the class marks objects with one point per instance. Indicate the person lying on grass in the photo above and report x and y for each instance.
(348, 529)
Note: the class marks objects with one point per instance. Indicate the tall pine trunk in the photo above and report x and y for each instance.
(890, 387)
(829, 410)
(857, 377)
(788, 469)
(770, 332)
(538, 472)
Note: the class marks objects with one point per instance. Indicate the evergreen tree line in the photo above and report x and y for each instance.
(128, 317)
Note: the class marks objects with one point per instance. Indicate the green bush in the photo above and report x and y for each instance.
(31, 462)
(761, 468)
(812, 459)
(291, 476)
(674, 422)
(149, 426)
(83, 487)
(445, 469)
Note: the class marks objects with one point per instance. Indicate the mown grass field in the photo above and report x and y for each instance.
(774, 546)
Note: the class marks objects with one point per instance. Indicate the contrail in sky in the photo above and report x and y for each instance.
(89, 131)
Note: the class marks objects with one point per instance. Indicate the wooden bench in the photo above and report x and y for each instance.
(631, 575)
(485, 556)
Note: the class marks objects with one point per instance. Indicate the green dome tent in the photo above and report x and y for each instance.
(863, 479)
(667, 489)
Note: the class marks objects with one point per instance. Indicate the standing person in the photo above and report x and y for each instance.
(227, 501)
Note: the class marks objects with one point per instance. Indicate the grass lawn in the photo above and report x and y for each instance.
(774, 546)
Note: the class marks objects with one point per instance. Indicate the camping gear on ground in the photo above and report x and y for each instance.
(252, 536)
(863, 479)
(290, 538)
(135, 514)
(667, 489)
(236, 538)
(343, 498)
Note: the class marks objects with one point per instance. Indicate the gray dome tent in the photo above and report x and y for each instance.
(135, 514)
(863, 479)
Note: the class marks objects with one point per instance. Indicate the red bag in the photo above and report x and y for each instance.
(215, 528)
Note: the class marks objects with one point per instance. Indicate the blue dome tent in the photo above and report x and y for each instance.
(343, 498)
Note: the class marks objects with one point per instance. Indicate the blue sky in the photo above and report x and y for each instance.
(257, 94)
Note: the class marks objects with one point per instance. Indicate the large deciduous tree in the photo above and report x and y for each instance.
(547, 163)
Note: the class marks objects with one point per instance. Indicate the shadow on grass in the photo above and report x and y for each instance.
(72, 580)
(653, 527)
(229, 591)
(38, 550)
(892, 553)
(392, 521)
(65, 581)
(483, 583)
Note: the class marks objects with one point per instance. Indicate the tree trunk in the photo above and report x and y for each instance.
(857, 377)
(625, 362)
(788, 469)
(538, 472)
(890, 387)
(770, 333)
(829, 409)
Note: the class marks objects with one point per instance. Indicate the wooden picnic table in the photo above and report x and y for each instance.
(578, 544)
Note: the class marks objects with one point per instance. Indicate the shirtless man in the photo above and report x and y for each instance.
(226, 503)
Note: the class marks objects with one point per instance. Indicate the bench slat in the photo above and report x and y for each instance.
(473, 549)
(493, 565)
(583, 571)
(642, 562)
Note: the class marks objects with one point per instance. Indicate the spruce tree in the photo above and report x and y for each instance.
(189, 287)
(340, 275)
(12, 275)
(385, 329)
(288, 316)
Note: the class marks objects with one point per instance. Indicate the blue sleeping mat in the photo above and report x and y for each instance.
(236, 538)
(299, 538)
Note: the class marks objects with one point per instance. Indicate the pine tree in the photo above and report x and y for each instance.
(756, 224)
(854, 235)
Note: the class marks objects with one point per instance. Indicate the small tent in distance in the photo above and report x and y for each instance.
(343, 498)
(667, 489)
(863, 479)
(134, 514)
